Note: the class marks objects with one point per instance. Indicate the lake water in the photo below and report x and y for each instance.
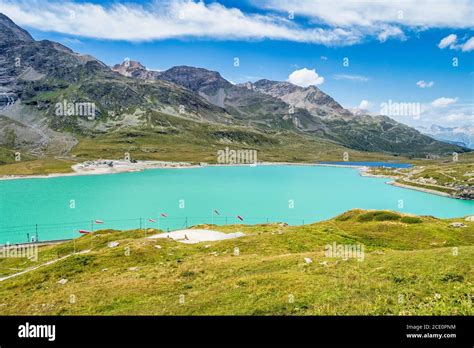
(61, 206)
(372, 164)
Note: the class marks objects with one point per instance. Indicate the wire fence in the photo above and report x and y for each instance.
(69, 230)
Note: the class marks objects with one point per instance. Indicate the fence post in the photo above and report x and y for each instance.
(186, 222)
(28, 237)
(140, 223)
(36, 231)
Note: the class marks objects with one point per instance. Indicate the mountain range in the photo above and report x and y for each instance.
(132, 101)
(460, 135)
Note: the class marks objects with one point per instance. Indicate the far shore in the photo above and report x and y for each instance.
(99, 167)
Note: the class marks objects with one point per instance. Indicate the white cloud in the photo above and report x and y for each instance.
(451, 41)
(73, 41)
(459, 118)
(362, 109)
(377, 14)
(453, 115)
(342, 22)
(163, 20)
(364, 105)
(443, 102)
(448, 41)
(358, 78)
(468, 45)
(305, 77)
(423, 84)
(389, 32)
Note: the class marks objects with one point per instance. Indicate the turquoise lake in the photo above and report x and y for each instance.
(57, 208)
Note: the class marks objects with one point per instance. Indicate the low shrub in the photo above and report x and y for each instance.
(411, 220)
(379, 216)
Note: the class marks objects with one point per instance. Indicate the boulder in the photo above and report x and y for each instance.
(457, 224)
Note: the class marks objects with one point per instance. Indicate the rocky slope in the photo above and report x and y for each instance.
(358, 131)
(36, 75)
(310, 110)
(310, 98)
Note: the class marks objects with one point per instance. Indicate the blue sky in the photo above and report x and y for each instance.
(390, 47)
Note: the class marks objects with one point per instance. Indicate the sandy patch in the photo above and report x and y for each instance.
(196, 236)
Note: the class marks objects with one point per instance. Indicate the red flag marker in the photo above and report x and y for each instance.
(99, 222)
(164, 215)
(84, 232)
(151, 220)
(240, 218)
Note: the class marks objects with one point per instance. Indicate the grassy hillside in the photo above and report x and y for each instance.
(182, 140)
(169, 138)
(412, 265)
(37, 166)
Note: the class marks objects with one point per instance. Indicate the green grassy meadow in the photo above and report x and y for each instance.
(411, 266)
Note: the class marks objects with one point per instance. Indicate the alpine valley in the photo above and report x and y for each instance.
(184, 113)
(132, 191)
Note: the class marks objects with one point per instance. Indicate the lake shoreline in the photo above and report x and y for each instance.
(364, 171)
(102, 167)
(421, 189)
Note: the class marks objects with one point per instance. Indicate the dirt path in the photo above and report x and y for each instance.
(42, 265)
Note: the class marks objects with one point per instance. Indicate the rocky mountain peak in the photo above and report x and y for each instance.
(129, 65)
(276, 88)
(132, 68)
(310, 98)
(194, 78)
(11, 33)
